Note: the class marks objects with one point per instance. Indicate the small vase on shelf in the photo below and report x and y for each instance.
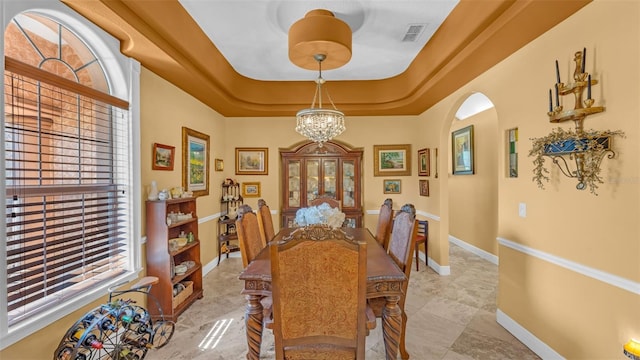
(153, 191)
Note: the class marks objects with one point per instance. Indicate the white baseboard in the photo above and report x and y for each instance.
(527, 338)
(214, 263)
(475, 250)
(441, 270)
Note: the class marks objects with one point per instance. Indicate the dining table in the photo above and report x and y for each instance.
(384, 280)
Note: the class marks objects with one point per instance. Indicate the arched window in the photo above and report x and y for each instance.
(67, 171)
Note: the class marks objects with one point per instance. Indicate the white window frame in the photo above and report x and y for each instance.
(123, 75)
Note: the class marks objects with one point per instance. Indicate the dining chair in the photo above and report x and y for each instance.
(319, 295)
(401, 248)
(334, 203)
(422, 237)
(383, 230)
(251, 243)
(248, 231)
(265, 222)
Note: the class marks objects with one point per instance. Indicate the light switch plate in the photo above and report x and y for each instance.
(522, 210)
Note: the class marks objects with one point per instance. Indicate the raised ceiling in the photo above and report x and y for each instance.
(252, 35)
(191, 51)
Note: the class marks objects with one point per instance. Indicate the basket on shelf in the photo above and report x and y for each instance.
(184, 294)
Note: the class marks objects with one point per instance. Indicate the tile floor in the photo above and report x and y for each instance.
(450, 317)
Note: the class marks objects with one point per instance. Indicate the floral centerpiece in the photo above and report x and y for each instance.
(321, 214)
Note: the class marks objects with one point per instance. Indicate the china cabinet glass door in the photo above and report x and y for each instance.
(348, 183)
(294, 183)
(313, 172)
(330, 179)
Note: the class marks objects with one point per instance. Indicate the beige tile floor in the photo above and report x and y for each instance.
(450, 317)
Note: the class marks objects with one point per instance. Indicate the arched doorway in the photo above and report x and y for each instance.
(470, 145)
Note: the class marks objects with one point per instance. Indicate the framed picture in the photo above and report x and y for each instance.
(251, 189)
(162, 157)
(195, 162)
(462, 151)
(424, 162)
(392, 160)
(424, 187)
(392, 186)
(252, 161)
(219, 165)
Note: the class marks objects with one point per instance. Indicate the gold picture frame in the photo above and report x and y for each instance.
(392, 186)
(392, 160)
(251, 189)
(195, 162)
(252, 161)
(219, 165)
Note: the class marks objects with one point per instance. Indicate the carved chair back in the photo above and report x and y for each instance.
(319, 295)
(383, 230)
(249, 235)
(403, 235)
(401, 247)
(265, 222)
(334, 203)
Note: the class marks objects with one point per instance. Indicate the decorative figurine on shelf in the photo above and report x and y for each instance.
(164, 195)
(176, 192)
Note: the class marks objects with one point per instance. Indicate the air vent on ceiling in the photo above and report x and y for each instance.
(413, 32)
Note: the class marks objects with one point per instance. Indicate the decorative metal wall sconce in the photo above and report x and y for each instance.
(577, 153)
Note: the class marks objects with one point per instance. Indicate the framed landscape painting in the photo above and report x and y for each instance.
(252, 161)
(162, 157)
(392, 186)
(195, 162)
(462, 151)
(392, 160)
(250, 189)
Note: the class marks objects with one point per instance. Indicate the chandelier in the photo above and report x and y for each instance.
(318, 124)
(320, 36)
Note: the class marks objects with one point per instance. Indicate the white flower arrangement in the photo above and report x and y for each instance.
(321, 214)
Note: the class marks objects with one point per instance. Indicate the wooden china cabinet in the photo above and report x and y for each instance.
(333, 170)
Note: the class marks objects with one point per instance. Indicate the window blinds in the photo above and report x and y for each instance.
(66, 181)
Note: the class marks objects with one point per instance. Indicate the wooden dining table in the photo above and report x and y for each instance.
(384, 280)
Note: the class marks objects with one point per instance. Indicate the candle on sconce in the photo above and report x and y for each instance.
(584, 58)
(557, 97)
(589, 87)
(550, 102)
(557, 72)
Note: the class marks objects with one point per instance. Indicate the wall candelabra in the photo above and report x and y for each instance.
(577, 153)
(582, 81)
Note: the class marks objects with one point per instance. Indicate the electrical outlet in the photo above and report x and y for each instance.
(522, 210)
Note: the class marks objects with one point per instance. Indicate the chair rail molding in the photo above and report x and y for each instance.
(596, 274)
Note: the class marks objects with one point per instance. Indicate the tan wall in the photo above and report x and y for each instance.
(164, 110)
(579, 316)
(473, 199)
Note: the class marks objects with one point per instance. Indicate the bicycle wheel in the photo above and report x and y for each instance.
(162, 333)
(79, 337)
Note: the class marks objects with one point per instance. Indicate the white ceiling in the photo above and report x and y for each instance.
(252, 34)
